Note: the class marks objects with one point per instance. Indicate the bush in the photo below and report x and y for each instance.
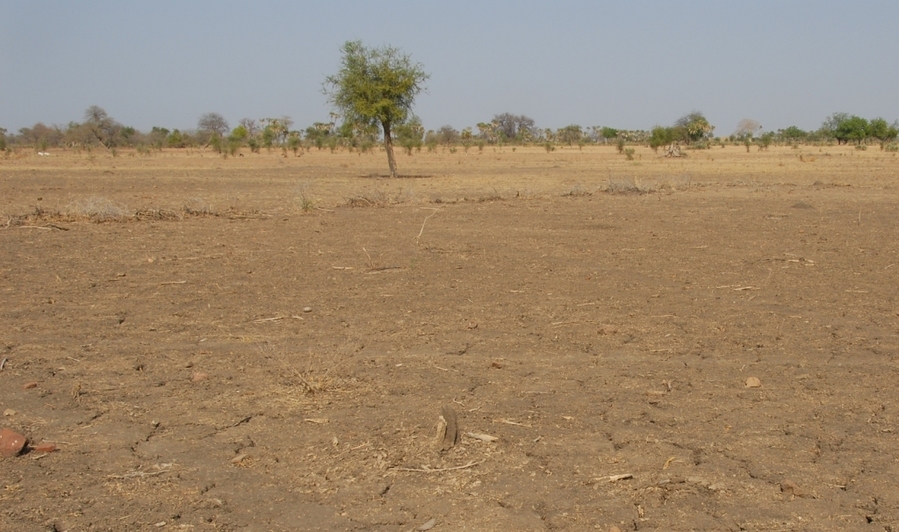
(629, 152)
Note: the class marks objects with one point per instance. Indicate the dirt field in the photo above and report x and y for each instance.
(267, 343)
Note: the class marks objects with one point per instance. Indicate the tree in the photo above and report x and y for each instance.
(376, 86)
(514, 127)
(845, 128)
(747, 128)
(212, 124)
(570, 134)
(793, 134)
(101, 126)
(608, 133)
(879, 129)
(661, 136)
(694, 127)
(448, 136)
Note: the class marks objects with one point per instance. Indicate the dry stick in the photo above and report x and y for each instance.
(423, 225)
(442, 469)
(174, 282)
(3, 363)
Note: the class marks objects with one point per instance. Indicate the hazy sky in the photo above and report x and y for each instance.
(624, 64)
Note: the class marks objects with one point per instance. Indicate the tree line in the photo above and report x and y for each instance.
(99, 130)
(373, 93)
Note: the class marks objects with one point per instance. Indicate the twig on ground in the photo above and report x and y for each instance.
(426, 469)
(164, 468)
(3, 363)
(173, 282)
(423, 225)
(371, 264)
(507, 422)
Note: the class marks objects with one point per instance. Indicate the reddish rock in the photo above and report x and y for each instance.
(29, 385)
(44, 447)
(199, 376)
(11, 443)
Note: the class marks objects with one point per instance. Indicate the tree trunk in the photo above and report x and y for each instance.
(388, 145)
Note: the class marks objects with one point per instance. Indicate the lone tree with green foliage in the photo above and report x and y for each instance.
(376, 86)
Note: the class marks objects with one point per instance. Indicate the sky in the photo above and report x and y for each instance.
(623, 64)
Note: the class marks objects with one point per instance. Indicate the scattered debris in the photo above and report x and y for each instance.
(482, 437)
(447, 429)
(426, 469)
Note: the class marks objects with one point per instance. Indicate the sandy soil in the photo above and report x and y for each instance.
(268, 343)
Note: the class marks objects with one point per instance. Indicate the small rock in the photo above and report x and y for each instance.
(472, 325)
(307, 309)
(496, 365)
(11, 443)
(606, 330)
(789, 487)
(29, 385)
(753, 382)
(428, 525)
(614, 529)
(199, 376)
(239, 458)
(44, 447)
(9, 412)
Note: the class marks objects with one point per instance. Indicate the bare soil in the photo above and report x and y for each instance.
(268, 342)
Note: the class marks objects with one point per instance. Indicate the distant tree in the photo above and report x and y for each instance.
(608, 133)
(250, 125)
(376, 86)
(239, 135)
(694, 127)
(792, 134)
(212, 124)
(845, 128)
(511, 127)
(747, 128)
(156, 137)
(410, 134)
(101, 126)
(276, 130)
(487, 131)
(661, 136)
(879, 129)
(2, 138)
(175, 139)
(448, 136)
(570, 134)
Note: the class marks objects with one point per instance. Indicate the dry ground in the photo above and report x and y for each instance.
(266, 343)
